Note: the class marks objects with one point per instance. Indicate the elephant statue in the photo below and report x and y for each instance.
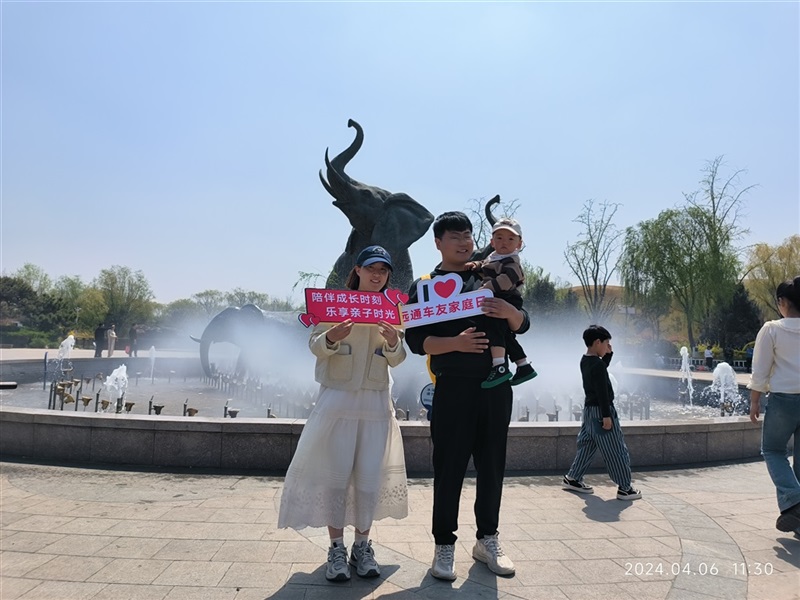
(394, 221)
(263, 338)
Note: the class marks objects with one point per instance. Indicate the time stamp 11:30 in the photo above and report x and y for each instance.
(660, 569)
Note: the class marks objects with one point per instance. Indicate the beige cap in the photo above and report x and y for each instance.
(510, 224)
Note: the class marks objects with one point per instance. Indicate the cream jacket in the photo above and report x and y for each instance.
(360, 361)
(776, 357)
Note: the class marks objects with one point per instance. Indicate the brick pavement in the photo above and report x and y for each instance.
(81, 533)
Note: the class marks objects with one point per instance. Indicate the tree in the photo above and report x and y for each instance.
(569, 302)
(594, 257)
(651, 297)
(93, 307)
(767, 266)
(69, 290)
(735, 323)
(689, 253)
(719, 202)
(127, 295)
(240, 297)
(42, 312)
(666, 253)
(652, 307)
(35, 277)
(17, 298)
(538, 293)
(183, 315)
(211, 301)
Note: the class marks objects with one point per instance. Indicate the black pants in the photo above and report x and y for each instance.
(98, 349)
(499, 334)
(468, 421)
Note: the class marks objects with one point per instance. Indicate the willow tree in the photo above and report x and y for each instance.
(594, 257)
(691, 251)
(767, 266)
(668, 254)
(127, 295)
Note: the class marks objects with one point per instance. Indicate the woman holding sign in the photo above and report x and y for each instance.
(349, 467)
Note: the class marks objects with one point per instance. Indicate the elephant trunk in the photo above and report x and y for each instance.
(345, 156)
(488, 210)
(205, 345)
(339, 184)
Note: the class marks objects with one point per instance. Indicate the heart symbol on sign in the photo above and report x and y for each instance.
(396, 297)
(444, 289)
(308, 320)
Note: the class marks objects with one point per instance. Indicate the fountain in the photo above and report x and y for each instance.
(686, 375)
(152, 354)
(117, 383)
(65, 349)
(724, 392)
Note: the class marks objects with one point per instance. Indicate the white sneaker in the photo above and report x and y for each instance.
(443, 566)
(488, 550)
(338, 569)
(362, 557)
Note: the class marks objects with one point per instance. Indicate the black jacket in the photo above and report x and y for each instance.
(597, 383)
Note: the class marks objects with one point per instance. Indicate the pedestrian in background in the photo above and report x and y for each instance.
(99, 340)
(133, 341)
(776, 372)
(111, 335)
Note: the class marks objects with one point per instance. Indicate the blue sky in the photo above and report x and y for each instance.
(184, 139)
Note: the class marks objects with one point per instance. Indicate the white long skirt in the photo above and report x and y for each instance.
(349, 467)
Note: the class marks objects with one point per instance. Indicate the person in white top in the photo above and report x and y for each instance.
(709, 355)
(776, 372)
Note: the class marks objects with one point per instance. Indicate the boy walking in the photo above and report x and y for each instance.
(467, 420)
(600, 428)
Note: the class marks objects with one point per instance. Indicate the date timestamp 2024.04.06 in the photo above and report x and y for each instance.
(643, 569)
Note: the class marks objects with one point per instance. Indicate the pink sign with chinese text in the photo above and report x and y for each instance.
(335, 306)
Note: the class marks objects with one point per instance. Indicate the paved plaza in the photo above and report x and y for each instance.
(72, 533)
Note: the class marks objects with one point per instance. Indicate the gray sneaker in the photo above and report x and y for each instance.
(362, 557)
(338, 569)
(443, 566)
(488, 550)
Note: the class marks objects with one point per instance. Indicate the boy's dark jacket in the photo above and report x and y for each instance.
(463, 364)
(597, 383)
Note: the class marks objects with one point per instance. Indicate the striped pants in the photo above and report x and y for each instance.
(611, 443)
